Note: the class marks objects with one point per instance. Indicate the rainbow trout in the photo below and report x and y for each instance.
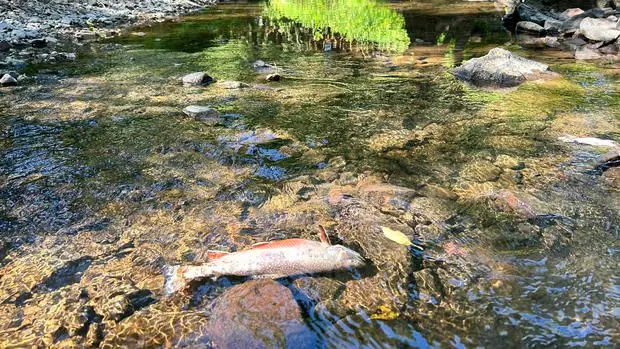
(268, 259)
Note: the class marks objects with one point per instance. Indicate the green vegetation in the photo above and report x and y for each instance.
(365, 21)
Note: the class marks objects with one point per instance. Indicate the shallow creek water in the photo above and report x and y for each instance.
(104, 181)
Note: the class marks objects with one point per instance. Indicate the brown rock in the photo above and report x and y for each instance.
(571, 12)
(258, 314)
(523, 205)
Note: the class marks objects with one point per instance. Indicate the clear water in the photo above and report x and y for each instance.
(104, 181)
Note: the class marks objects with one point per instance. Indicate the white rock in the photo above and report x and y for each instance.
(589, 141)
(597, 29)
(8, 80)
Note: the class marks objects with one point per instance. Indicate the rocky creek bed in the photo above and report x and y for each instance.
(505, 204)
(53, 31)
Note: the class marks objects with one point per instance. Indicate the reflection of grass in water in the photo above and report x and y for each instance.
(359, 20)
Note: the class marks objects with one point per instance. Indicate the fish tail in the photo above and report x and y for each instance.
(174, 279)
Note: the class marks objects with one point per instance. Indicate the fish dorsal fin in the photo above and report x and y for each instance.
(281, 243)
(212, 254)
(323, 235)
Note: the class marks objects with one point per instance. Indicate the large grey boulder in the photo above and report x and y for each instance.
(499, 68)
(597, 29)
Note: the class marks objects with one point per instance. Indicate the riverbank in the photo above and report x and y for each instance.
(588, 33)
(37, 31)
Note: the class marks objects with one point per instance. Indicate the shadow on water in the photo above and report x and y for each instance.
(104, 181)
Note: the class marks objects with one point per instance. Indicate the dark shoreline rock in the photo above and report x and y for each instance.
(598, 28)
(59, 28)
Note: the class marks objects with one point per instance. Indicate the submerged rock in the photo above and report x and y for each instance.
(259, 314)
(571, 12)
(522, 205)
(262, 67)
(203, 113)
(609, 160)
(197, 79)
(500, 68)
(587, 53)
(612, 177)
(359, 224)
(574, 44)
(505, 161)
(480, 171)
(4, 46)
(231, 85)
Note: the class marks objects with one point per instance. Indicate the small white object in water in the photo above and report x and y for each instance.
(589, 141)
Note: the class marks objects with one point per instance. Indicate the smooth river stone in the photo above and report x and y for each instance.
(258, 314)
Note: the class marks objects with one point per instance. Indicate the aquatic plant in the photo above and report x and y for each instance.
(362, 21)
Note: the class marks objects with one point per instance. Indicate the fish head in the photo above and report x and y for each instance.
(345, 257)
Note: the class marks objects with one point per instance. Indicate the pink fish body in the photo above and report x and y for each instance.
(268, 259)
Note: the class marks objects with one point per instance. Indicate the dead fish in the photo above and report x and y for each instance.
(272, 259)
